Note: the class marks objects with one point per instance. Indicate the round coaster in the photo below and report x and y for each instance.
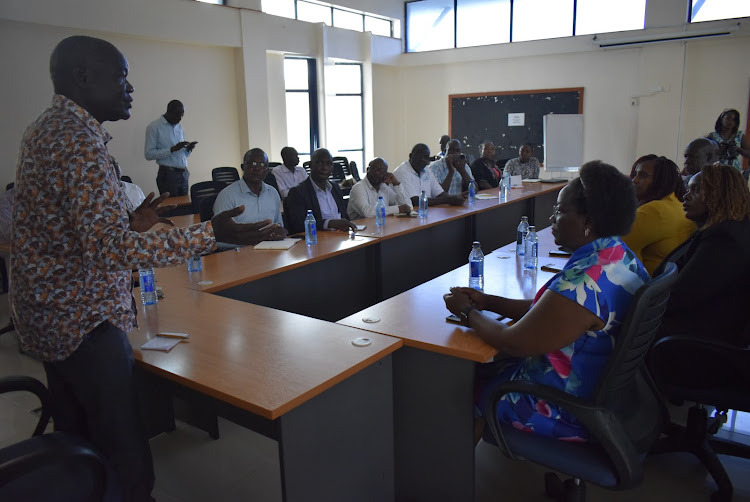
(361, 342)
(371, 319)
(205, 283)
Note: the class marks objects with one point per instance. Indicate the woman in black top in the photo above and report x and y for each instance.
(485, 170)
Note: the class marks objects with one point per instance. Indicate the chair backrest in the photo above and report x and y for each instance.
(207, 207)
(637, 334)
(9, 186)
(271, 165)
(126, 179)
(306, 165)
(226, 174)
(340, 168)
(204, 189)
(355, 172)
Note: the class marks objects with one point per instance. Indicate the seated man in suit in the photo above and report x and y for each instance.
(261, 201)
(321, 196)
(452, 171)
(416, 178)
(378, 183)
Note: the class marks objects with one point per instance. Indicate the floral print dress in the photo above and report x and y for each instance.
(603, 277)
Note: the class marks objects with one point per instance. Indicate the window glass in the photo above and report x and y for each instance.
(295, 73)
(396, 28)
(604, 16)
(430, 25)
(710, 10)
(482, 22)
(298, 121)
(216, 2)
(313, 13)
(346, 19)
(378, 26)
(344, 79)
(344, 122)
(283, 8)
(540, 19)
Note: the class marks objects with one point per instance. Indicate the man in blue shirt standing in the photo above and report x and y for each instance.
(165, 143)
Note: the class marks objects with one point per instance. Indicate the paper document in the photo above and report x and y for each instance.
(284, 244)
(161, 343)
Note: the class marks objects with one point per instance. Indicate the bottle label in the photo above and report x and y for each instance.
(476, 269)
(519, 237)
(147, 283)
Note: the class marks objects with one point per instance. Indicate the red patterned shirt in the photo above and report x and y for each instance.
(72, 249)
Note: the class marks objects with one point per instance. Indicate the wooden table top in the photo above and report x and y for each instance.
(418, 316)
(181, 200)
(259, 359)
(232, 268)
(436, 215)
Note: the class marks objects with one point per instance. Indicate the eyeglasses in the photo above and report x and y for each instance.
(256, 165)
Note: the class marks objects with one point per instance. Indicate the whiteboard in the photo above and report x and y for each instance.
(563, 140)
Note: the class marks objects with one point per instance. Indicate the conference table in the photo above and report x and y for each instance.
(434, 372)
(262, 354)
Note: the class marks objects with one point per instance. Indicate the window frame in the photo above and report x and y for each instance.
(361, 95)
(333, 7)
(312, 92)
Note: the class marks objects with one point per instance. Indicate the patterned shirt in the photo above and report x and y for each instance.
(72, 248)
(528, 171)
(601, 276)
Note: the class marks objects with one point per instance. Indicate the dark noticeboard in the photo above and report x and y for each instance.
(484, 116)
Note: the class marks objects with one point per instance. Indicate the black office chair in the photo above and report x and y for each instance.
(306, 166)
(126, 179)
(56, 466)
(624, 415)
(226, 174)
(207, 207)
(204, 189)
(355, 172)
(720, 378)
(270, 179)
(9, 186)
(271, 165)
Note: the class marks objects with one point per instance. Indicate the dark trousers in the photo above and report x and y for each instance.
(93, 395)
(172, 180)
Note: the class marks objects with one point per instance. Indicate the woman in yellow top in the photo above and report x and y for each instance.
(660, 223)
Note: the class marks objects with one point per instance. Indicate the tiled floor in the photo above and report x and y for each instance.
(243, 466)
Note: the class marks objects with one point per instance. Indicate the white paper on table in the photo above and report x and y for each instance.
(283, 244)
(515, 182)
(161, 343)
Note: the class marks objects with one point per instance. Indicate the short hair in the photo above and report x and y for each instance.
(725, 193)
(287, 149)
(74, 52)
(666, 178)
(606, 197)
(174, 104)
(718, 126)
(420, 146)
(252, 152)
(315, 157)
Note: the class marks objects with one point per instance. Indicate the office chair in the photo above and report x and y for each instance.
(126, 179)
(226, 174)
(624, 415)
(306, 166)
(270, 179)
(56, 466)
(207, 207)
(271, 165)
(354, 171)
(204, 189)
(9, 186)
(720, 377)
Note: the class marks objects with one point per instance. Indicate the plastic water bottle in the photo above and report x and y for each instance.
(472, 192)
(504, 186)
(476, 267)
(195, 263)
(148, 286)
(523, 229)
(423, 205)
(380, 213)
(311, 230)
(531, 257)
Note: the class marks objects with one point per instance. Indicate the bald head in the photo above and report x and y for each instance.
(92, 73)
(698, 153)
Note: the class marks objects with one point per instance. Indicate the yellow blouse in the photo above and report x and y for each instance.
(660, 226)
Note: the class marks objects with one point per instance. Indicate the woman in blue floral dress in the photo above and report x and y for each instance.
(564, 336)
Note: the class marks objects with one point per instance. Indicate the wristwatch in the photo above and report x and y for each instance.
(465, 315)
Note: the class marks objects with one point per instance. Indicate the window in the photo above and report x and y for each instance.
(283, 8)
(482, 22)
(711, 10)
(300, 80)
(429, 25)
(539, 19)
(215, 2)
(605, 16)
(345, 112)
(314, 11)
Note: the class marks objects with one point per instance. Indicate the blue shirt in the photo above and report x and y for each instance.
(601, 276)
(266, 206)
(440, 171)
(161, 136)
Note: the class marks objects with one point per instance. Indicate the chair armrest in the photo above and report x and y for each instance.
(56, 448)
(29, 384)
(603, 425)
(701, 344)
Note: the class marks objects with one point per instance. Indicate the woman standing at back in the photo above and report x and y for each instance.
(660, 223)
(732, 143)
